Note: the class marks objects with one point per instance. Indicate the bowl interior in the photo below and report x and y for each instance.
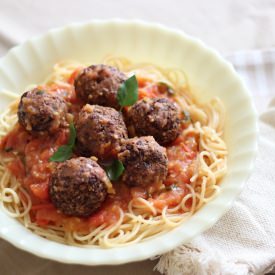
(208, 75)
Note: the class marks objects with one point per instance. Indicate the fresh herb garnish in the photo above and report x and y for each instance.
(128, 92)
(186, 116)
(115, 170)
(172, 187)
(64, 152)
(40, 92)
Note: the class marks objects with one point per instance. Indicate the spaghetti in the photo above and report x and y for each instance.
(197, 158)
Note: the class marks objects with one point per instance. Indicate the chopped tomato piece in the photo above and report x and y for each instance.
(107, 215)
(62, 137)
(169, 198)
(147, 88)
(46, 216)
(46, 154)
(74, 75)
(40, 190)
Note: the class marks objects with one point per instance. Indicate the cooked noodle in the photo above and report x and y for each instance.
(142, 220)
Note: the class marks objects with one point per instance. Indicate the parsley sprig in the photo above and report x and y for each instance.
(114, 170)
(128, 92)
(64, 152)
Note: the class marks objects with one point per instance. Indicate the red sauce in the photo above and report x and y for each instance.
(147, 88)
(182, 156)
(31, 166)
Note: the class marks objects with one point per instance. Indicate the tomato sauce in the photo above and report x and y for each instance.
(147, 88)
(182, 162)
(32, 168)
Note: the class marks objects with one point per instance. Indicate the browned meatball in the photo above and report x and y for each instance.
(144, 160)
(78, 187)
(40, 111)
(98, 84)
(157, 117)
(99, 131)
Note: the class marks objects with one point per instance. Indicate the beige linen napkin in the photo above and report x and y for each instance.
(243, 241)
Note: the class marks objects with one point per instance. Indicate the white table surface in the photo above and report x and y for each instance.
(227, 25)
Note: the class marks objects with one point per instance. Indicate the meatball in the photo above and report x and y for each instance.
(40, 111)
(99, 132)
(98, 84)
(78, 187)
(144, 160)
(157, 117)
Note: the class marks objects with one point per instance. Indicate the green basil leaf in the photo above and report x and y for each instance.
(128, 92)
(40, 92)
(186, 116)
(64, 152)
(172, 187)
(72, 136)
(115, 170)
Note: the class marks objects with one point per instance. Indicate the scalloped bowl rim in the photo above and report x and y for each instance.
(13, 232)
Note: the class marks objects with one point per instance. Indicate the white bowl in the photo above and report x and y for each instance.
(209, 75)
